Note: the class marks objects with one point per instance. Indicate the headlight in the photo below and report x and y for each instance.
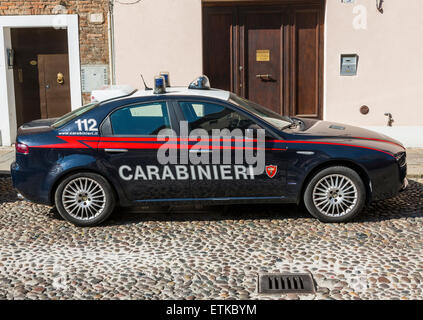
(401, 158)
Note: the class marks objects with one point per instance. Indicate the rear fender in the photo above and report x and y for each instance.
(80, 163)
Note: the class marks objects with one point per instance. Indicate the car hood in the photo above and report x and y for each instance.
(316, 129)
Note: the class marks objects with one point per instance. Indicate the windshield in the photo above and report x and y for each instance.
(74, 114)
(265, 114)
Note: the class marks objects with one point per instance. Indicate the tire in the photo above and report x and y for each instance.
(85, 199)
(335, 194)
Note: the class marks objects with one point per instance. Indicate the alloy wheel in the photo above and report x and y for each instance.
(335, 195)
(83, 198)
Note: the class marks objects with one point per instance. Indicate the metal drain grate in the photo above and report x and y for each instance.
(286, 283)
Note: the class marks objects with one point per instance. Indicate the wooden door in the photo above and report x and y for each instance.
(217, 40)
(262, 57)
(306, 70)
(271, 54)
(53, 70)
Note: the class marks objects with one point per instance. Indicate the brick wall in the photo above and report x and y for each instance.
(93, 37)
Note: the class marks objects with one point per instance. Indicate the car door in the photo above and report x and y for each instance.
(130, 147)
(234, 179)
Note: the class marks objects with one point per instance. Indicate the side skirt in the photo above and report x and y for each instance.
(214, 201)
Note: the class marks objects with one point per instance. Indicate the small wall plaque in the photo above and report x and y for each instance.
(263, 55)
(96, 18)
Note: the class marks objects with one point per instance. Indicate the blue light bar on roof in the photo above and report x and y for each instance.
(201, 83)
(167, 79)
(159, 85)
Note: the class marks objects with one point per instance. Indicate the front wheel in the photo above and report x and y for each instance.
(85, 199)
(335, 194)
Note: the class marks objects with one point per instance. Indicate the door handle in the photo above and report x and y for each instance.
(265, 77)
(116, 150)
(200, 151)
(60, 78)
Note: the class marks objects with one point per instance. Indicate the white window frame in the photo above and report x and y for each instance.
(8, 124)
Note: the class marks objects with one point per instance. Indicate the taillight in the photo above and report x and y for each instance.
(22, 148)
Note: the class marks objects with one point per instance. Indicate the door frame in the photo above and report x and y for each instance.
(288, 66)
(8, 125)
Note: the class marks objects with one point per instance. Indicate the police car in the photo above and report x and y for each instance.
(133, 150)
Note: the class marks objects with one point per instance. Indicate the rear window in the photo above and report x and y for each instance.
(74, 114)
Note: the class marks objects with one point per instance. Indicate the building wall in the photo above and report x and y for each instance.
(166, 35)
(153, 36)
(390, 64)
(93, 37)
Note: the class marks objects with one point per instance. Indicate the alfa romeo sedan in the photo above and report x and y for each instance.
(114, 153)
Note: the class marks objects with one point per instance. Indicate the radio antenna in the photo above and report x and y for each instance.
(145, 85)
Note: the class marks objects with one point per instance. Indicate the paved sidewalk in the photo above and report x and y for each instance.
(414, 155)
(7, 156)
(415, 163)
(210, 253)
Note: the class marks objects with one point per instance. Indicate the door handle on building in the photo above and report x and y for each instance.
(266, 77)
(60, 78)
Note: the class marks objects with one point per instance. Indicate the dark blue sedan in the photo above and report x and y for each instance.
(117, 152)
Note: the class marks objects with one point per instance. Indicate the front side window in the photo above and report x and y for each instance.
(265, 114)
(146, 119)
(209, 116)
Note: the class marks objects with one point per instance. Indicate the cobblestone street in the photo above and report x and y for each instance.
(211, 253)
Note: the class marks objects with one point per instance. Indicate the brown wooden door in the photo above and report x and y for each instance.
(262, 51)
(306, 70)
(271, 54)
(53, 70)
(217, 37)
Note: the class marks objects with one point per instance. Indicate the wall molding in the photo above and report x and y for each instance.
(8, 125)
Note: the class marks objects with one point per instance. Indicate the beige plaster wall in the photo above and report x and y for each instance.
(390, 70)
(158, 35)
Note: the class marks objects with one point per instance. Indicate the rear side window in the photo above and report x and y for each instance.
(145, 119)
(74, 114)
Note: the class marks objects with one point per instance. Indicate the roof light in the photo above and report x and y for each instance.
(159, 85)
(201, 83)
(166, 76)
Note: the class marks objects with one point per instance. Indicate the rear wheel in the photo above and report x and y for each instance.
(85, 199)
(335, 194)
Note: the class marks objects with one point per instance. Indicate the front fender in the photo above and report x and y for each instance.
(371, 165)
